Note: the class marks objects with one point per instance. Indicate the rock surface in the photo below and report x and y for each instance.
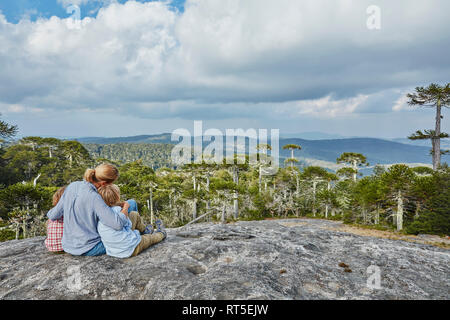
(272, 259)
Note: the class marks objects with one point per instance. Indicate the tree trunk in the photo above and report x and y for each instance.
(223, 213)
(416, 214)
(260, 178)
(327, 205)
(194, 209)
(151, 207)
(377, 214)
(148, 206)
(236, 205)
(365, 215)
(399, 211)
(208, 203)
(314, 197)
(354, 168)
(24, 227)
(35, 180)
(292, 157)
(436, 140)
(17, 231)
(236, 201)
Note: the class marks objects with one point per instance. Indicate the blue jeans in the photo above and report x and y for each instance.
(98, 250)
(133, 205)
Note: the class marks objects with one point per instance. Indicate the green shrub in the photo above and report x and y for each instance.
(348, 217)
(337, 217)
(430, 223)
(7, 234)
(435, 218)
(250, 215)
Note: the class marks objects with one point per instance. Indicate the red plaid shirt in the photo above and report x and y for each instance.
(54, 235)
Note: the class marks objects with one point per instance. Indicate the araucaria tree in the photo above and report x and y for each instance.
(433, 96)
(292, 147)
(398, 180)
(7, 130)
(355, 160)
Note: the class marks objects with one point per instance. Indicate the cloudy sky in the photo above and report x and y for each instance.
(121, 68)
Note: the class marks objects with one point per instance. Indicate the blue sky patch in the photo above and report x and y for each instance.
(16, 10)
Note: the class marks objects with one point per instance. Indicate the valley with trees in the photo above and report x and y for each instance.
(398, 197)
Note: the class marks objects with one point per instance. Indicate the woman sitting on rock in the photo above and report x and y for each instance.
(82, 208)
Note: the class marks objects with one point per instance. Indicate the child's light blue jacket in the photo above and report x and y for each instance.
(119, 243)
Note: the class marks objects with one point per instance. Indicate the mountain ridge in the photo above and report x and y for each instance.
(377, 151)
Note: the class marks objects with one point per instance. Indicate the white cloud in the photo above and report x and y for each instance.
(68, 3)
(17, 108)
(401, 103)
(235, 58)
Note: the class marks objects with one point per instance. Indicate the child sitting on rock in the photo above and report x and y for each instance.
(55, 228)
(127, 242)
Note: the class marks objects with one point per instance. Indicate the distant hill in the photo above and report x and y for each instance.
(313, 136)
(445, 143)
(156, 138)
(378, 151)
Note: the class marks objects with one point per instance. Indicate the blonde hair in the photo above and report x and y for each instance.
(57, 195)
(110, 194)
(104, 172)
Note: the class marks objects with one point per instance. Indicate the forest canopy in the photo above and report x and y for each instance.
(413, 200)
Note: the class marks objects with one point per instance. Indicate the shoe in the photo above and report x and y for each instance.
(159, 224)
(160, 228)
(164, 233)
(148, 229)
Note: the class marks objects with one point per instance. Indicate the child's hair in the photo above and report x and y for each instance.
(104, 172)
(57, 195)
(110, 194)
